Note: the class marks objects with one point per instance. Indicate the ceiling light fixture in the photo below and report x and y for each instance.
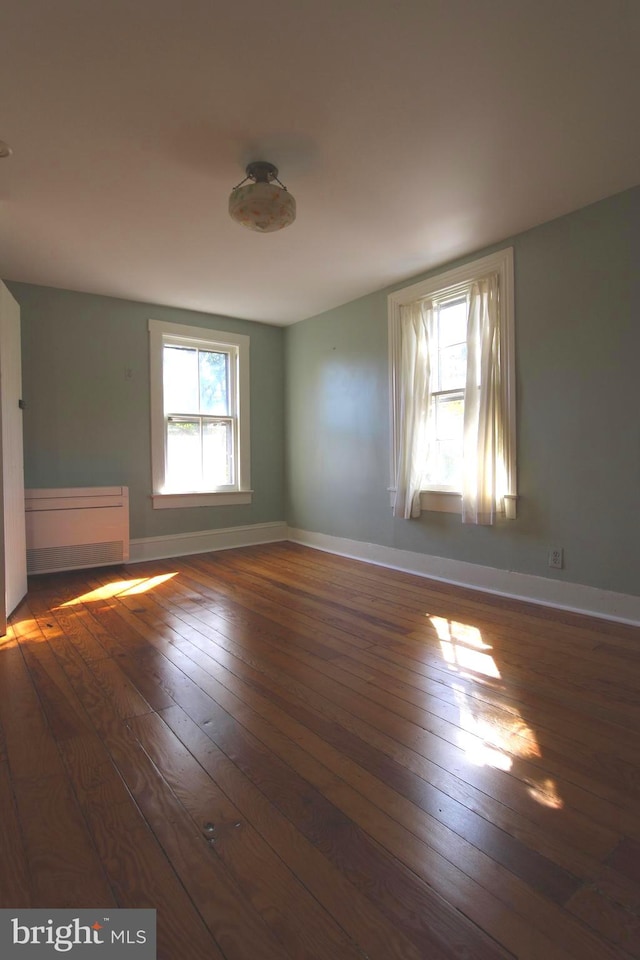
(5, 150)
(265, 204)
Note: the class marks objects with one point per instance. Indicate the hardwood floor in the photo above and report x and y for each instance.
(294, 755)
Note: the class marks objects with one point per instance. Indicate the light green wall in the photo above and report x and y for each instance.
(577, 357)
(86, 383)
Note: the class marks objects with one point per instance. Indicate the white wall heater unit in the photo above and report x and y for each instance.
(76, 527)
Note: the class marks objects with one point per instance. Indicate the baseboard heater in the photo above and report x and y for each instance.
(76, 527)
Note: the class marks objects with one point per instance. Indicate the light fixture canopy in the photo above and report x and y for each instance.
(262, 205)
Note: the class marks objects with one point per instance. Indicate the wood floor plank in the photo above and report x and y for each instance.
(243, 673)
(554, 723)
(452, 758)
(618, 887)
(15, 881)
(499, 845)
(67, 627)
(619, 925)
(65, 867)
(283, 679)
(435, 741)
(135, 863)
(417, 770)
(389, 617)
(223, 911)
(576, 938)
(626, 858)
(28, 739)
(534, 643)
(145, 667)
(284, 902)
(504, 729)
(425, 921)
(236, 926)
(619, 759)
(407, 594)
(608, 838)
(271, 608)
(391, 583)
(379, 937)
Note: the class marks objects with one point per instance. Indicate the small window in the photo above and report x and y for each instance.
(200, 416)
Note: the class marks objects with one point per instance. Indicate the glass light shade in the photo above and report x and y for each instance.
(262, 206)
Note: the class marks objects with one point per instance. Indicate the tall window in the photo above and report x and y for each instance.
(443, 465)
(453, 392)
(200, 416)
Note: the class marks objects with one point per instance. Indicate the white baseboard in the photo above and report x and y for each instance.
(576, 597)
(203, 541)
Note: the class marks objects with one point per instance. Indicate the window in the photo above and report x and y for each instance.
(443, 468)
(199, 416)
(451, 354)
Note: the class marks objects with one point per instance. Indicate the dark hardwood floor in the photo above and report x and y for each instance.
(294, 755)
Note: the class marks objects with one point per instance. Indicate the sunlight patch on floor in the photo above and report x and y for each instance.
(462, 647)
(9, 640)
(545, 791)
(493, 733)
(120, 588)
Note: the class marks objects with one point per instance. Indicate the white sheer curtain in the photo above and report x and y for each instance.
(416, 334)
(484, 472)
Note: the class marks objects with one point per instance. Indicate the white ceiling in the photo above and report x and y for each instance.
(409, 131)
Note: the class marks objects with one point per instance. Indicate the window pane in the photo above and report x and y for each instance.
(446, 465)
(214, 383)
(217, 458)
(180, 367)
(452, 323)
(449, 413)
(184, 459)
(445, 459)
(453, 367)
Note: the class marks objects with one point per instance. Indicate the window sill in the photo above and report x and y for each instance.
(226, 498)
(444, 501)
(440, 501)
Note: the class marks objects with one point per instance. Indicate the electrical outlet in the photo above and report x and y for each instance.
(555, 558)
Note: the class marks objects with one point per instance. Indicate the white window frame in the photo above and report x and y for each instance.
(444, 285)
(237, 346)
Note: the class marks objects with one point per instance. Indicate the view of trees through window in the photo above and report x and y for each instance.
(198, 408)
